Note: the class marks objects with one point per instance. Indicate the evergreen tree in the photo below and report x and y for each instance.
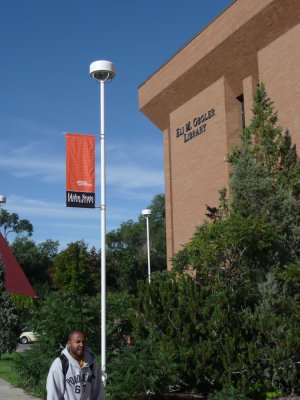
(265, 177)
(247, 263)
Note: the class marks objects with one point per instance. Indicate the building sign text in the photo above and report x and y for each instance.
(195, 127)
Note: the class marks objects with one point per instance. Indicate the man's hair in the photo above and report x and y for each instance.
(74, 331)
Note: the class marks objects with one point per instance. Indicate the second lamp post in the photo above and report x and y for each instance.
(146, 214)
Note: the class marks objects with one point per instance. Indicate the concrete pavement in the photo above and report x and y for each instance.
(8, 392)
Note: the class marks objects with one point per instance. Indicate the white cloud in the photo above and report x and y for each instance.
(28, 207)
(134, 176)
(127, 168)
(56, 214)
(31, 160)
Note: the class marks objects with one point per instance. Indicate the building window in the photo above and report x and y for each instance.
(241, 101)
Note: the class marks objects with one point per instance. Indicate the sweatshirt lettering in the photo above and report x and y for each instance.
(79, 379)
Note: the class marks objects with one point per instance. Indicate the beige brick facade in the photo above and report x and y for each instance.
(196, 98)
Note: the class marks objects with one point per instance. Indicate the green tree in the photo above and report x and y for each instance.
(265, 177)
(263, 188)
(12, 223)
(8, 318)
(76, 270)
(125, 258)
(22, 306)
(127, 248)
(247, 263)
(36, 260)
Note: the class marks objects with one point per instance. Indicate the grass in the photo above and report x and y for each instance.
(7, 368)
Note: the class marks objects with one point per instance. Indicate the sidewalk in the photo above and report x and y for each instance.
(8, 392)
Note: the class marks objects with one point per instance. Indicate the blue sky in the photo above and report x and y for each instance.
(46, 48)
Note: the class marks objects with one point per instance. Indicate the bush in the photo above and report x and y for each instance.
(53, 319)
(143, 368)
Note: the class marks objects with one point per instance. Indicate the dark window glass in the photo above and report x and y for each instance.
(241, 101)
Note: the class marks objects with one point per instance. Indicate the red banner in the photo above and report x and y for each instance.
(80, 170)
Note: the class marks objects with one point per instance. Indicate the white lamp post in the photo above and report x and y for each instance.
(146, 214)
(102, 71)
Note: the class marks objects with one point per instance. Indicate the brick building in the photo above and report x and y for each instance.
(201, 98)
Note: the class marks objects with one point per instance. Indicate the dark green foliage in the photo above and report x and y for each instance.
(146, 364)
(119, 328)
(53, 319)
(127, 249)
(265, 177)
(140, 369)
(229, 393)
(218, 336)
(32, 367)
(36, 260)
(228, 247)
(247, 264)
(60, 313)
(22, 305)
(126, 262)
(76, 270)
(8, 318)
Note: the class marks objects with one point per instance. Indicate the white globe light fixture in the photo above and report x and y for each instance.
(146, 213)
(2, 200)
(102, 71)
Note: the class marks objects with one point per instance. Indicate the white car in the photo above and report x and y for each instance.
(27, 336)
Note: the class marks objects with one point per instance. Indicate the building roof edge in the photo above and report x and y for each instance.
(187, 43)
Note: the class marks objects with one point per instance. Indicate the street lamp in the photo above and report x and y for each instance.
(102, 71)
(146, 214)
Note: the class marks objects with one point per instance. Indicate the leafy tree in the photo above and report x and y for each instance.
(36, 260)
(125, 258)
(22, 305)
(12, 223)
(120, 305)
(8, 318)
(127, 249)
(76, 270)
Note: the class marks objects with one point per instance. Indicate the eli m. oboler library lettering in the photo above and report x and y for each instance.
(197, 123)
